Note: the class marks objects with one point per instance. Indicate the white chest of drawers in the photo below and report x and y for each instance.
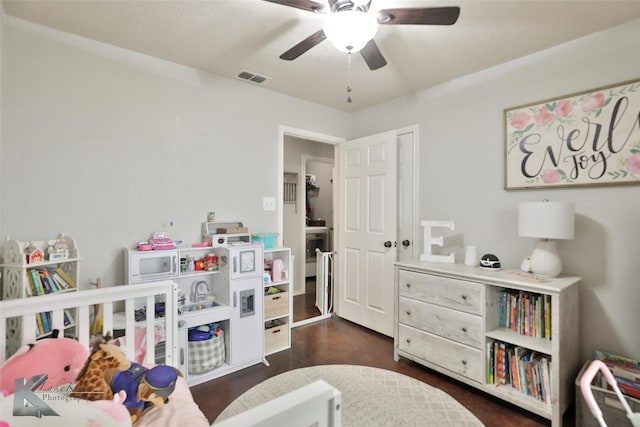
(447, 317)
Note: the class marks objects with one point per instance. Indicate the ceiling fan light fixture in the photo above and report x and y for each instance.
(350, 30)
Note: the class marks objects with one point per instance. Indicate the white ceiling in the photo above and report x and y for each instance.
(226, 36)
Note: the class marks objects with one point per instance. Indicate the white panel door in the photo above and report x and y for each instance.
(367, 221)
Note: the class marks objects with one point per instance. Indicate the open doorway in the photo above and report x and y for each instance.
(291, 228)
(307, 223)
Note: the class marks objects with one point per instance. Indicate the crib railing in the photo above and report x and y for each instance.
(83, 301)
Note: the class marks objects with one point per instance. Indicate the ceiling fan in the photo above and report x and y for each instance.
(351, 25)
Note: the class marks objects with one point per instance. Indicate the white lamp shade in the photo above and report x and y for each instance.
(546, 220)
(350, 30)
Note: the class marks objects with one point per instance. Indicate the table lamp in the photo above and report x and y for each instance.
(547, 221)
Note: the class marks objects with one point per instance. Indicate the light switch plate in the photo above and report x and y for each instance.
(268, 203)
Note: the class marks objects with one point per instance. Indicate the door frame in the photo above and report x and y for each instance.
(286, 131)
(334, 140)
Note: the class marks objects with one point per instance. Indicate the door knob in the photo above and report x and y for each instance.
(387, 244)
(406, 243)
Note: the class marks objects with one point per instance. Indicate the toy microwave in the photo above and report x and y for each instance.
(143, 266)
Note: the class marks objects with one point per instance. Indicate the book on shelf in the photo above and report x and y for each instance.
(68, 317)
(522, 356)
(546, 369)
(39, 325)
(490, 365)
(37, 284)
(45, 276)
(46, 323)
(513, 370)
(64, 277)
(502, 364)
(45, 283)
(30, 288)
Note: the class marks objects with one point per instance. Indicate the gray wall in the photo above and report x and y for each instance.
(462, 164)
(108, 146)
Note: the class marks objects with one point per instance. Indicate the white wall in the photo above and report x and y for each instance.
(462, 165)
(108, 145)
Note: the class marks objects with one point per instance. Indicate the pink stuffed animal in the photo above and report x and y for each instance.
(61, 359)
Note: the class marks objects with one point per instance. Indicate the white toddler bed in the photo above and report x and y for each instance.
(180, 409)
(318, 402)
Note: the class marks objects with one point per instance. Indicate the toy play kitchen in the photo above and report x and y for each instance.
(227, 294)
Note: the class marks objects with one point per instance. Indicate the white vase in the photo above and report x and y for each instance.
(471, 256)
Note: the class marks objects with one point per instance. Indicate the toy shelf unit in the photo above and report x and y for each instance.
(196, 293)
(508, 333)
(278, 299)
(36, 268)
(219, 318)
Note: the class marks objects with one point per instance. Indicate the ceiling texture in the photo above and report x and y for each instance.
(225, 37)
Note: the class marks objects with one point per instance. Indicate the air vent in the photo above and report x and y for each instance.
(252, 77)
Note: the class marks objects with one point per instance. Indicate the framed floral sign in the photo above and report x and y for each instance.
(588, 138)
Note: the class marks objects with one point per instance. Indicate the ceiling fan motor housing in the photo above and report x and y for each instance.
(361, 5)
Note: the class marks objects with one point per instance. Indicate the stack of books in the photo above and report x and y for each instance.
(43, 281)
(626, 371)
(519, 368)
(525, 313)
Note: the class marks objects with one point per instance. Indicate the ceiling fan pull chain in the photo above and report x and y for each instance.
(349, 79)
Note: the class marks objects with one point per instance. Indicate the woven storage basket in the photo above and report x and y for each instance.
(206, 355)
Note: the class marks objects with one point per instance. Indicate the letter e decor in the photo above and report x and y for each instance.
(589, 138)
(429, 241)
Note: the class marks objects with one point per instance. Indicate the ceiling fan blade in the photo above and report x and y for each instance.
(304, 46)
(308, 5)
(372, 56)
(419, 16)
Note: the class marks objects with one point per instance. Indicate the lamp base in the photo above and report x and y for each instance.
(545, 260)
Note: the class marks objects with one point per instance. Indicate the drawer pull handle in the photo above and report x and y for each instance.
(408, 341)
(464, 362)
(464, 329)
(408, 285)
(464, 297)
(408, 313)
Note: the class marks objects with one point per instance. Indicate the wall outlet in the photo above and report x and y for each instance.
(268, 203)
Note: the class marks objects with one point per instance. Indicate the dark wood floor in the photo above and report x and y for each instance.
(337, 341)
(304, 305)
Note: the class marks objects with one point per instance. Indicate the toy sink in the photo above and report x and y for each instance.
(196, 306)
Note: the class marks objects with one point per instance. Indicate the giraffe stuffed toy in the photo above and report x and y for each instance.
(93, 381)
(108, 371)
